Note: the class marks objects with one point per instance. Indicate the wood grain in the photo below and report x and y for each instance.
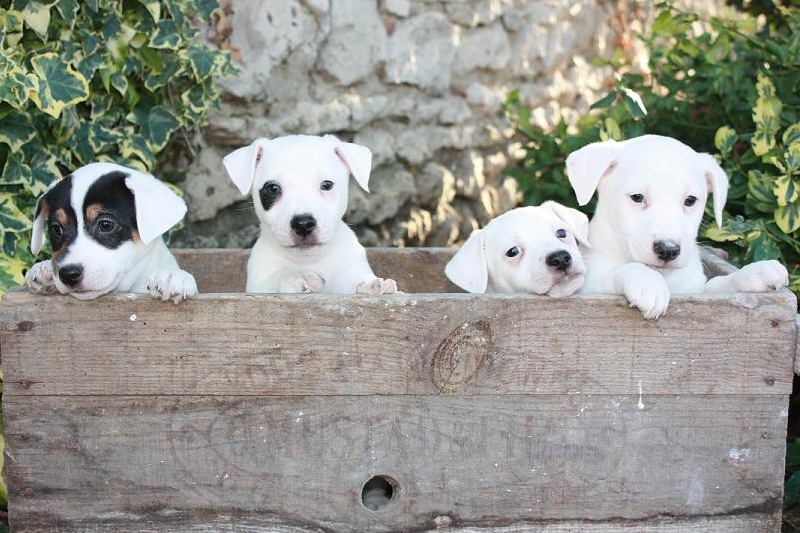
(403, 344)
(123, 462)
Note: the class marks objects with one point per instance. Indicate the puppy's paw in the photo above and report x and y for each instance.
(175, 285)
(761, 276)
(647, 290)
(302, 282)
(377, 286)
(39, 278)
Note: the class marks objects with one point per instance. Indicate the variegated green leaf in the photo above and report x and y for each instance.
(136, 149)
(11, 218)
(724, 139)
(166, 35)
(161, 124)
(785, 190)
(68, 9)
(788, 218)
(767, 112)
(16, 130)
(791, 136)
(717, 234)
(634, 103)
(11, 272)
(16, 171)
(759, 185)
(153, 7)
(59, 84)
(762, 142)
(37, 17)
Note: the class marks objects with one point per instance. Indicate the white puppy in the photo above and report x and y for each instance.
(105, 223)
(528, 249)
(651, 194)
(299, 186)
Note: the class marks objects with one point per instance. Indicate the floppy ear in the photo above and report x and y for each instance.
(467, 268)
(357, 159)
(241, 164)
(38, 233)
(577, 222)
(717, 182)
(158, 208)
(585, 167)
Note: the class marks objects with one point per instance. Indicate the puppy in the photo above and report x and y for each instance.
(105, 223)
(299, 187)
(651, 194)
(528, 249)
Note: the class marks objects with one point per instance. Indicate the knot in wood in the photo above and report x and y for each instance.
(461, 354)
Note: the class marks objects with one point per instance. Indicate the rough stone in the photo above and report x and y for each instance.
(421, 84)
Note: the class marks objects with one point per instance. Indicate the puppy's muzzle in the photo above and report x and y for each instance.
(303, 225)
(560, 260)
(666, 250)
(71, 275)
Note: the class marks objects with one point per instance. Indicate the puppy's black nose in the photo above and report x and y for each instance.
(303, 224)
(560, 260)
(666, 250)
(70, 274)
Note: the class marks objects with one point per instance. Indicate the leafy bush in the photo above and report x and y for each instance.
(89, 80)
(733, 91)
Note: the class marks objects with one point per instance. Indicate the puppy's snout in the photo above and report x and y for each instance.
(667, 250)
(560, 260)
(303, 224)
(70, 274)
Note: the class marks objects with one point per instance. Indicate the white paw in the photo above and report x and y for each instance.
(647, 290)
(175, 285)
(39, 278)
(762, 276)
(377, 286)
(303, 282)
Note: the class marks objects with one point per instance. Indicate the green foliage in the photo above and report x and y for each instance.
(81, 81)
(733, 91)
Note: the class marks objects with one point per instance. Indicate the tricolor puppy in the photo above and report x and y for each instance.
(105, 223)
(528, 249)
(299, 187)
(651, 194)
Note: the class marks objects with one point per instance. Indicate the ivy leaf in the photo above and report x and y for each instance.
(59, 84)
(37, 18)
(11, 218)
(162, 124)
(16, 171)
(788, 218)
(16, 130)
(203, 61)
(166, 35)
(68, 9)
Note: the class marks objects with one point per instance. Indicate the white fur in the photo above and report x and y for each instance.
(332, 261)
(144, 266)
(622, 232)
(482, 264)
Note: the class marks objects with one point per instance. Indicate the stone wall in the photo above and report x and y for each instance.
(418, 82)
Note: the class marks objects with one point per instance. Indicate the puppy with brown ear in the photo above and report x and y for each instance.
(299, 187)
(105, 223)
(527, 250)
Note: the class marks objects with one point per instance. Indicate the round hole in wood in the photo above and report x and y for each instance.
(378, 492)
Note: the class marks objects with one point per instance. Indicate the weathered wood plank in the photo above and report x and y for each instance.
(401, 344)
(75, 463)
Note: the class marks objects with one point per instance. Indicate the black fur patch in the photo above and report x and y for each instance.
(269, 194)
(62, 222)
(113, 202)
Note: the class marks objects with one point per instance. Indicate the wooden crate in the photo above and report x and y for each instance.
(237, 412)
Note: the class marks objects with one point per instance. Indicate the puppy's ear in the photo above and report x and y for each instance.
(587, 166)
(38, 233)
(717, 182)
(241, 164)
(467, 268)
(357, 158)
(158, 208)
(577, 222)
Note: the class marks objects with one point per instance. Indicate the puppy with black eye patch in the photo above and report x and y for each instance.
(105, 224)
(299, 186)
(526, 250)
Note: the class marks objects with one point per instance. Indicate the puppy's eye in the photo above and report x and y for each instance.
(690, 201)
(271, 189)
(326, 185)
(561, 234)
(56, 230)
(637, 198)
(514, 251)
(106, 225)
